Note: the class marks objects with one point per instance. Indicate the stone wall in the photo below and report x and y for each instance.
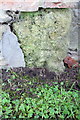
(53, 32)
(33, 5)
(10, 53)
(74, 46)
(44, 37)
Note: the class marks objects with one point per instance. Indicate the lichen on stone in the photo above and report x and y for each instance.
(44, 38)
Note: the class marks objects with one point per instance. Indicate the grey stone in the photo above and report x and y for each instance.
(74, 46)
(4, 17)
(3, 28)
(11, 51)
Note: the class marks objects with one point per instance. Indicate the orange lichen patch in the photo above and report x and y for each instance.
(70, 62)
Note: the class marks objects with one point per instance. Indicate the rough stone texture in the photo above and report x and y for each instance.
(44, 37)
(33, 5)
(10, 53)
(79, 30)
(4, 17)
(74, 47)
(3, 28)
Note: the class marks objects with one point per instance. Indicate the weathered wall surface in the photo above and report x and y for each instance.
(44, 37)
(10, 53)
(52, 33)
(33, 5)
(74, 46)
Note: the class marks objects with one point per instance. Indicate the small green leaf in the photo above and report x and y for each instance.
(13, 77)
(30, 113)
(5, 101)
(62, 116)
(36, 116)
(78, 117)
(22, 107)
(21, 116)
(62, 83)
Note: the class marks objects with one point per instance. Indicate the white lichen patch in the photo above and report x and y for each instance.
(44, 37)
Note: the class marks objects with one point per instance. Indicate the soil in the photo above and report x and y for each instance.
(39, 76)
(18, 81)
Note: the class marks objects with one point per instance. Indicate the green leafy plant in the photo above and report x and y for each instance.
(51, 102)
